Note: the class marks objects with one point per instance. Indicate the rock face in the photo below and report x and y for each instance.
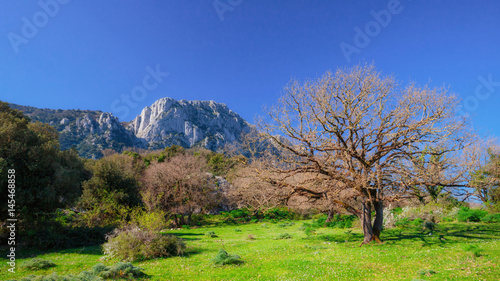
(166, 122)
(187, 123)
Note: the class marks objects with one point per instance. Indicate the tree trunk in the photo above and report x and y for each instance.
(366, 220)
(330, 216)
(379, 220)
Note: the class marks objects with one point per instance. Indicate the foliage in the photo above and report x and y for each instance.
(491, 218)
(486, 181)
(48, 233)
(223, 258)
(119, 270)
(283, 236)
(133, 244)
(45, 177)
(333, 254)
(286, 224)
(37, 264)
(112, 191)
(99, 272)
(154, 221)
(472, 215)
(211, 234)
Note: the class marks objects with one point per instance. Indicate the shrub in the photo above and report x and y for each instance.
(286, 224)
(404, 222)
(37, 264)
(119, 270)
(223, 258)
(429, 225)
(491, 218)
(283, 236)
(154, 221)
(99, 273)
(416, 222)
(133, 244)
(308, 228)
(471, 215)
(211, 234)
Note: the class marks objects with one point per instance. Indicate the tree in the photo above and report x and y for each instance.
(45, 177)
(112, 191)
(352, 137)
(181, 186)
(486, 181)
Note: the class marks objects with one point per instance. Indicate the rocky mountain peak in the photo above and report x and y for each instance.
(187, 123)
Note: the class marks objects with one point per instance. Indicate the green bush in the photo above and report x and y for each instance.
(223, 258)
(99, 272)
(119, 270)
(491, 218)
(309, 228)
(133, 244)
(417, 222)
(471, 215)
(286, 224)
(404, 222)
(154, 221)
(211, 234)
(37, 264)
(283, 236)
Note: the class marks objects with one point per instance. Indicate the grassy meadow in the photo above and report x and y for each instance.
(453, 251)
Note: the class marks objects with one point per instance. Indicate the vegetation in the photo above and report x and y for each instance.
(330, 254)
(99, 272)
(351, 138)
(223, 258)
(337, 154)
(37, 264)
(134, 244)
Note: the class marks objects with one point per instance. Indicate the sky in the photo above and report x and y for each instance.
(122, 55)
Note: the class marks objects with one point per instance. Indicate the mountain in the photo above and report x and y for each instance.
(89, 131)
(166, 122)
(188, 123)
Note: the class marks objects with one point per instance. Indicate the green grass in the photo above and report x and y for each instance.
(450, 253)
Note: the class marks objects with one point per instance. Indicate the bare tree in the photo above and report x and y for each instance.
(179, 187)
(352, 137)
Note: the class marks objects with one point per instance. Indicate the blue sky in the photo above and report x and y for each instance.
(101, 54)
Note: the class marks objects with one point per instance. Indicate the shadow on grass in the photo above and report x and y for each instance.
(31, 253)
(185, 235)
(443, 234)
